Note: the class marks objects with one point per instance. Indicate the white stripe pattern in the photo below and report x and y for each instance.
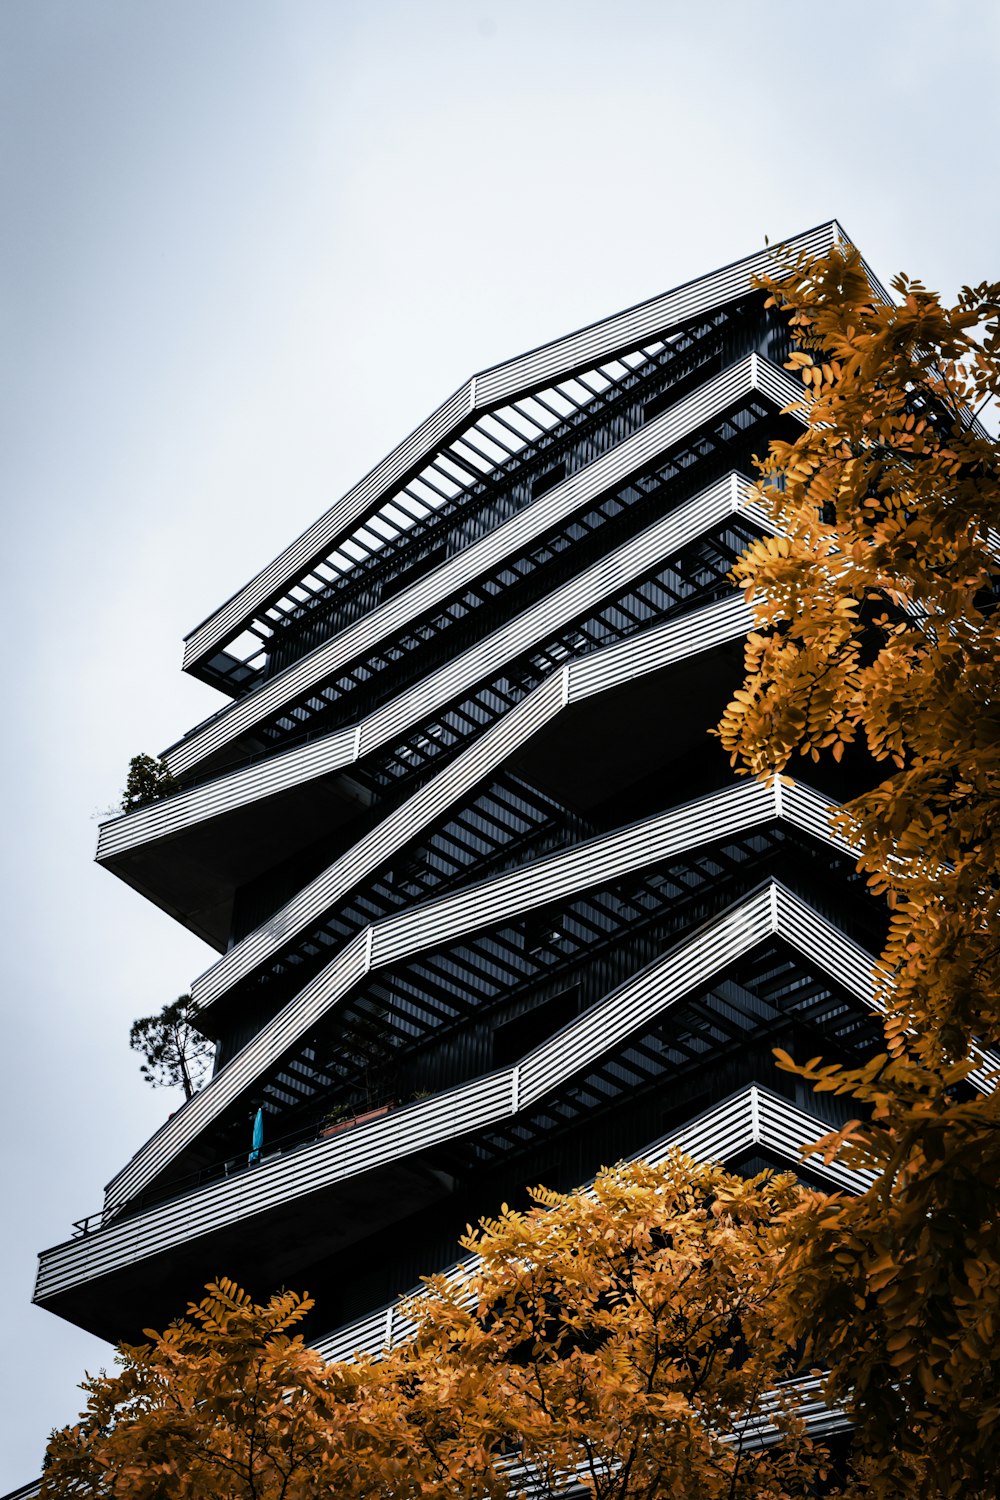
(740, 806)
(752, 374)
(489, 389)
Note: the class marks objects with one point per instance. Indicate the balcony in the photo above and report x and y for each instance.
(303, 1209)
(458, 445)
(190, 852)
(706, 413)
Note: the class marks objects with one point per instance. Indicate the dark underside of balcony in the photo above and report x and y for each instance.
(362, 1241)
(597, 747)
(194, 874)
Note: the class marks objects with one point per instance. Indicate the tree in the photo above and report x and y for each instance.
(175, 1053)
(227, 1402)
(148, 780)
(876, 627)
(623, 1338)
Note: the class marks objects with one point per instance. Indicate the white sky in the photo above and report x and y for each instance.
(247, 246)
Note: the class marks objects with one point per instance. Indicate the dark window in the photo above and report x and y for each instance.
(658, 404)
(515, 1038)
(415, 570)
(547, 480)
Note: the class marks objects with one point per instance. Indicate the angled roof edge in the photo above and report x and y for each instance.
(483, 392)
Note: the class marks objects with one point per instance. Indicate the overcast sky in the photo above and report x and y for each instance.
(246, 246)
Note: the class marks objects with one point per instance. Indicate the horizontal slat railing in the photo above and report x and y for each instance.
(227, 793)
(636, 1003)
(655, 649)
(293, 767)
(738, 807)
(852, 967)
(715, 396)
(346, 970)
(485, 391)
(785, 1129)
(720, 814)
(277, 1181)
(402, 825)
(416, 1127)
(753, 1117)
(429, 803)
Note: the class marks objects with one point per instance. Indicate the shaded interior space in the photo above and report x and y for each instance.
(722, 444)
(194, 875)
(648, 745)
(362, 1242)
(699, 1052)
(194, 872)
(639, 748)
(615, 758)
(624, 754)
(456, 1013)
(489, 471)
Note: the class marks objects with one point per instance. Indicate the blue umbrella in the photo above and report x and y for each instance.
(258, 1138)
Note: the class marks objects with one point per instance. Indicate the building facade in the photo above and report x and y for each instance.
(490, 905)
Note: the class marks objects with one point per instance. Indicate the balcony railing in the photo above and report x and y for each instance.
(745, 804)
(475, 1106)
(533, 371)
(272, 773)
(629, 457)
(235, 1164)
(752, 1117)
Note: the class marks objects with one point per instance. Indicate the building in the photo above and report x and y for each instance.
(491, 907)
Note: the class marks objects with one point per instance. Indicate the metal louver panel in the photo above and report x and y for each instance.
(705, 627)
(460, 1111)
(226, 793)
(487, 390)
(743, 805)
(702, 628)
(737, 807)
(752, 1117)
(742, 928)
(336, 979)
(855, 969)
(750, 374)
(781, 1127)
(279, 1180)
(469, 1107)
(384, 839)
(624, 662)
(407, 820)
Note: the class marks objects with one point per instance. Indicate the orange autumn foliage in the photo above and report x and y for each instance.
(876, 627)
(622, 1339)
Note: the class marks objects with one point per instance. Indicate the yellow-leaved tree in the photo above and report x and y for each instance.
(876, 628)
(621, 1339)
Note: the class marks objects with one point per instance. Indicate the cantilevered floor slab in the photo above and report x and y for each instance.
(311, 1202)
